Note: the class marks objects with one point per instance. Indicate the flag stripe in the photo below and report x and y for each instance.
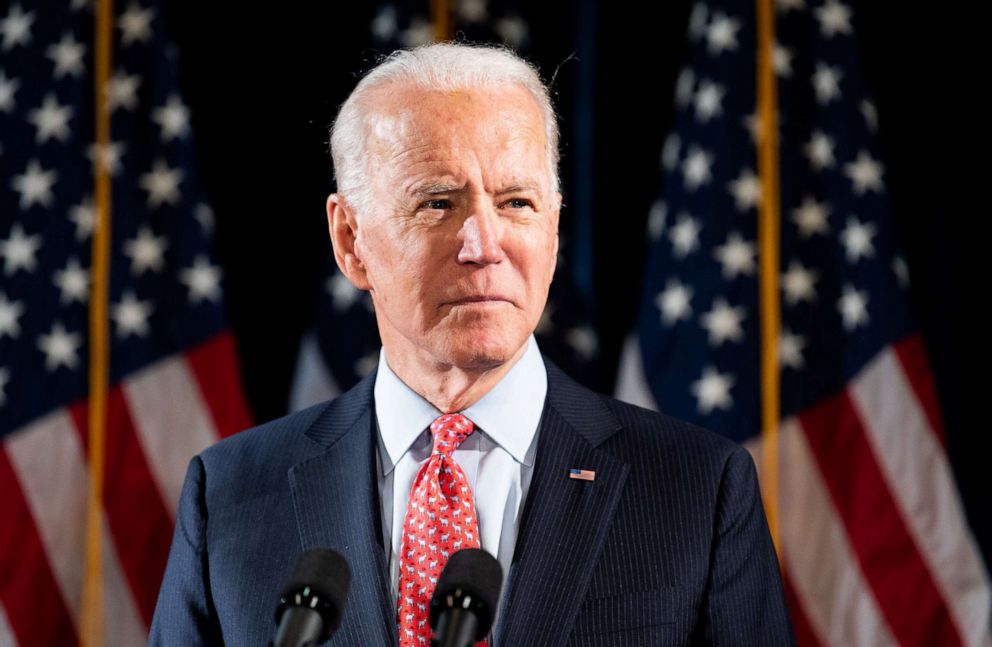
(28, 581)
(916, 367)
(805, 636)
(215, 365)
(898, 429)
(6, 633)
(140, 524)
(883, 545)
(171, 421)
(817, 556)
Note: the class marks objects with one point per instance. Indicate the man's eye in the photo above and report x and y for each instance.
(517, 203)
(438, 203)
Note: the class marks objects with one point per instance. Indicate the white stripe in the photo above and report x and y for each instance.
(920, 479)
(632, 385)
(49, 462)
(6, 633)
(312, 380)
(825, 575)
(172, 422)
(48, 458)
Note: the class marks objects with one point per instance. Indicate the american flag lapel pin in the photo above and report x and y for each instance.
(582, 475)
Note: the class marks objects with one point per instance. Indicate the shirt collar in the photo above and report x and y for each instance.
(508, 414)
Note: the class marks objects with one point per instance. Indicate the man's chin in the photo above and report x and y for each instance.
(481, 353)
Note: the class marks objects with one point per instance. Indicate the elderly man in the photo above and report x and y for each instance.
(614, 525)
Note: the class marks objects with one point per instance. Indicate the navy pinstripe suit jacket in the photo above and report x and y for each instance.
(667, 546)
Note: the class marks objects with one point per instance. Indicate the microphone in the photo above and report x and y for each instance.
(465, 598)
(312, 601)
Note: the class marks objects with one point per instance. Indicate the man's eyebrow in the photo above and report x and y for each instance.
(522, 186)
(436, 188)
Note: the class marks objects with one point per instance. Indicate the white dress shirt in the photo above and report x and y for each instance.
(497, 458)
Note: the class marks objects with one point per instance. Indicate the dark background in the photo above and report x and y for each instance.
(263, 85)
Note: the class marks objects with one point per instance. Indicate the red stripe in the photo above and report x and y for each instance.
(30, 595)
(136, 514)
(912, 354)
(215, 365)
(891, 561)
(805, 636)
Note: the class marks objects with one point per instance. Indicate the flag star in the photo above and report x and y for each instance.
(753, 125)
(76, 5)
(856, 239)
(107, 157)
(122, 91)
(145, 251)
(366, 363)
(696, 168)
(737, 256)
(788, 5)
(697, 20)
(50, 120)
(135, 24)
(60, 347)
(820, 150)
(790, 350)
(712, 390)
(472, 10)
(674, 302)
(162, 184)
(670, 152)
(901, 270)
(420, 32)
(583, 340)
(131, 316)
(10, 311)
(205, 216)
(834, 17)
(172, 118)
(721, 35)
(707, 101)
(73, 282)
(16, 28)
(811, 217)
(656, 219)
(512, 30)
(723, 322)
(67, 55)
(343, 293)
(84, 217)
(7, 89)
(797, 282)
(18, 250)
(853, 306)
(746, 190)
(4, 380)
(685, 87)
(35, 185)
(685, 236)
(865, 173)
(384, 24)
(546, 324)
(203, 280)
(826, 82)
(870, 114)
(782, 60)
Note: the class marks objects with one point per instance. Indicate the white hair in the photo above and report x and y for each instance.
(443, 67)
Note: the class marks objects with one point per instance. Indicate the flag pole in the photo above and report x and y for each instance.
(92, 613)
(441, 19)
(768, 241)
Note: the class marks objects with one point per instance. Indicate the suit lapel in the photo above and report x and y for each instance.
(565, 520)
(337, 506)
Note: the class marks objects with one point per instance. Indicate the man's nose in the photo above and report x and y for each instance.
(482, 236)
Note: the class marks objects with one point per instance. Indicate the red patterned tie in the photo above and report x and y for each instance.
(440, 521)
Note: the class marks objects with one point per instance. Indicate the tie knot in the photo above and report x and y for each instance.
(449, 431)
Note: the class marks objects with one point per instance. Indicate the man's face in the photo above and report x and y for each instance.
(459, 243)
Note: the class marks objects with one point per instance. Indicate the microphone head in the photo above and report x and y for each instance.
(320, 581)
(473, 577)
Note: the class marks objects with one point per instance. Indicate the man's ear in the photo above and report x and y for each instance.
(343, 228)
(555, 214)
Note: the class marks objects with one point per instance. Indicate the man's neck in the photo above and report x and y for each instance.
(448, 387)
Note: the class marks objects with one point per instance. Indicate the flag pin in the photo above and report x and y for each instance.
(582, 475)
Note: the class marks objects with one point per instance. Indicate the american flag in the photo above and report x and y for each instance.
(174, 386)
(874, 546)
(343, 345)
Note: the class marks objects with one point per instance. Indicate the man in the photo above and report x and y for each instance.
(614, 525)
